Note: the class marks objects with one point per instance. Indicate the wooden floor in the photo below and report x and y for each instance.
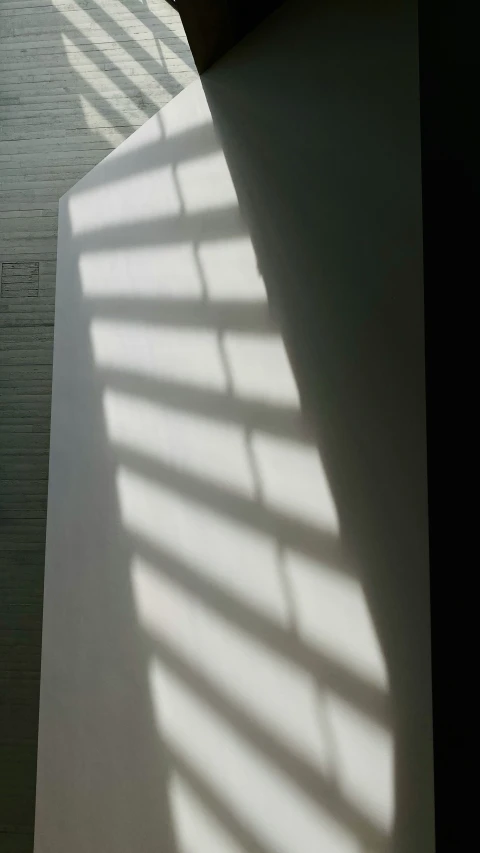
(76, 78)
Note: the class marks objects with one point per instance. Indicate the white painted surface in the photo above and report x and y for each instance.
(192, 490)
(213, 674)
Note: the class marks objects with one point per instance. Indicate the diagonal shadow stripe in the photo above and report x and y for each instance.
(164, 230)
(116, 30)
(251, 415)
(310, 780)
(197, 142)
(152, 21)
(288, 532)
(86, 88)
(374, 703)
(244, 835)
(238, 316)
(121, 79)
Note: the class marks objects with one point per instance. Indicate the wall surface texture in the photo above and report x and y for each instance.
(236, 647)
(76, 79)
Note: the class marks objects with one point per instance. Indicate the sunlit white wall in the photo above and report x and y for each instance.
(255, 630)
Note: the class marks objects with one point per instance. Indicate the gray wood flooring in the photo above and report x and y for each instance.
(76, 78)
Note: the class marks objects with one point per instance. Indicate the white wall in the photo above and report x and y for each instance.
(236, 625)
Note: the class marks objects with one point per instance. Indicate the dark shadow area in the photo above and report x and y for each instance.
(215, 26)
(334, 211)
